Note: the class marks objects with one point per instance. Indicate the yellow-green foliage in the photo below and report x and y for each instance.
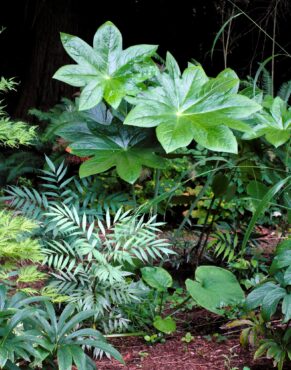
(17, 133)
(15, 242)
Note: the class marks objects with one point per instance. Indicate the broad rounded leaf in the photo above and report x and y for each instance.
(157, 278)
(214, 287)
(166, 325)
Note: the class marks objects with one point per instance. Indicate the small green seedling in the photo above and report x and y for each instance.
(155, 338)
(143, 354)
(187, 338)
(216, 337)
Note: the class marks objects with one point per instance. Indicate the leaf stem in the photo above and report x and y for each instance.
(157, 188)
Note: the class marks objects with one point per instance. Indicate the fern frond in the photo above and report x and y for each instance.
(30, 274)
(267, 82)
(285, 91)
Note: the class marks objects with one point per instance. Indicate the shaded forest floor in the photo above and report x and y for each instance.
(211, 349)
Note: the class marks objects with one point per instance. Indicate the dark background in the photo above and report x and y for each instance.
(31, 49)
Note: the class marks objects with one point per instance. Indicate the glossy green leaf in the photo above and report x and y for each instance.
(107, 143)
(79, 357)
(274, 123)
(3, 357)
(214, 287)
(193, 107)
(286, 307)
(284, 245)
(64, 357)
(157, 278)
(271, 301)
(106, 71)
(255, 298)
(166, 325)
(281, 260)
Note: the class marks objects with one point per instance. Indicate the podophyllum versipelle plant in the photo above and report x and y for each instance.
(133, 113)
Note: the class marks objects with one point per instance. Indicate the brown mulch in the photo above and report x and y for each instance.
(204, 352)
(200, 354)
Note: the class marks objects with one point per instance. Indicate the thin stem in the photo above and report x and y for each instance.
(133, 196)
(157, 187)
(273, 46)
(120, 335)
(228, 38)
(203, 230)
(177, 308)
(287, 156)
(260, 28)
(193, 205)
(207, 235)
(161, 303)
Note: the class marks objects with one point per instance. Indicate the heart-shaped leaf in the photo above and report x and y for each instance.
(214, 287)
(157, 278)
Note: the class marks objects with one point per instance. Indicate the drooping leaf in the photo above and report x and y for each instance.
(219, 184)
(193, 107)
(214, 287)
(106, 71)
(107, 143)
(157, 278)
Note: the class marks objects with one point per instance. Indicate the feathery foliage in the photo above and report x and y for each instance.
(91, 250)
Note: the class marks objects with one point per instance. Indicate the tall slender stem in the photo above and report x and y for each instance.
(204, 226)
(133, 196)
(157, 187)
(200, 254)
(273, 46)
(193, 205)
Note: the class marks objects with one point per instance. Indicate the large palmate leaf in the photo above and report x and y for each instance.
(192, 106)
(214, 287)
(106, 71)
(108, 143)
(274, 123)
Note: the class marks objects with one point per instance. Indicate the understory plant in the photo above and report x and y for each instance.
(32, 335)
(91, 255)
(19, 252)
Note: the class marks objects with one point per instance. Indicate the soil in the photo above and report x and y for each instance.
(211, 348)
